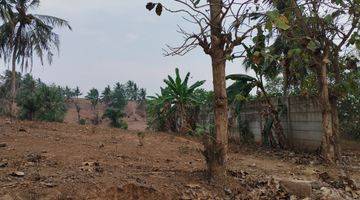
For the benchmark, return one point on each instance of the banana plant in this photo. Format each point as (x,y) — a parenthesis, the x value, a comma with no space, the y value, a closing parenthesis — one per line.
(182,95)
(176,98)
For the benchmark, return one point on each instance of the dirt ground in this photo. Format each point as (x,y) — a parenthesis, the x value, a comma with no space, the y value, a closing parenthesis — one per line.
(68,161)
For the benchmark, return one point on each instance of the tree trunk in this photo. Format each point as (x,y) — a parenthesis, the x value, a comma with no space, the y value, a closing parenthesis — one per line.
(217,164)
(329,142)
(217,155)
(334,100)
(78,111)
(182,116)
(336,126)
(13,87)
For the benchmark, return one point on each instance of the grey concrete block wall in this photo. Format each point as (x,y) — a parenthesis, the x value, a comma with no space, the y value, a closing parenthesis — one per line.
(302,122)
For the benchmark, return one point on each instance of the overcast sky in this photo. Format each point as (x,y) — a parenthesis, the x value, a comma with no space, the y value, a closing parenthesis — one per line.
(115,41)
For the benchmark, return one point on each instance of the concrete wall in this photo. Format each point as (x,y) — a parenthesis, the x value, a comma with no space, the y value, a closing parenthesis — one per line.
(301,121)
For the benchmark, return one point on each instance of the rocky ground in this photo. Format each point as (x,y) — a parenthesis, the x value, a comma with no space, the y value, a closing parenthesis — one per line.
(68,161)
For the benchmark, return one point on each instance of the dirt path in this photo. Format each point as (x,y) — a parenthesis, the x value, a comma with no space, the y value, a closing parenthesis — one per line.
(67,161)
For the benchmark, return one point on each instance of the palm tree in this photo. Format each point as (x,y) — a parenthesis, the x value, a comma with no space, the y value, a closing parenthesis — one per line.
(77,93)
(24,36)
(106,95)
(181,95)
(94,98)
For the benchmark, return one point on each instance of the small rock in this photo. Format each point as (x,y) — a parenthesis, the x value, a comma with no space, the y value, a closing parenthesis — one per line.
(48,184)
(299,188)
(22,130)
(2,145)
(227,191)
(3,164)
(18,174)
(329,194)
(33,157)
(193,186)
(91,167)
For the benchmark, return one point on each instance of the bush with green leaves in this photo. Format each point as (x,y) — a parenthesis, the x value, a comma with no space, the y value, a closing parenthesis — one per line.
(5,88)
(173,107)
(38,101)
(94,98)
(115,101)
(115,116)
(53,105)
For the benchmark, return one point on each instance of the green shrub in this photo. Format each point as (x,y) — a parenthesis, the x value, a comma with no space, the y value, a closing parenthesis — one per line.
(38,101)
(82,121)
(115,116)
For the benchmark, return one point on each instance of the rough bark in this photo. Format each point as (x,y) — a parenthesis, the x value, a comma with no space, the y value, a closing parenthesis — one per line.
(336,126)
(217,165)
(329,142)
(13,87)
(217,161)
(334,100)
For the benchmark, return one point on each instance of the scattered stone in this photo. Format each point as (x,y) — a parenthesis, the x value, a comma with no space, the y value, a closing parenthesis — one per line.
(299,188)
(227,191)
(329,194)
(91,167)
(193,186)
(48,184)
(3,164)
(22,130)
(33,157)
(18,174)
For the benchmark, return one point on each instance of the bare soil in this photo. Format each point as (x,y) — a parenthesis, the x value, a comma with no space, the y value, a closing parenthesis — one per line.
(67,161)
(135,115)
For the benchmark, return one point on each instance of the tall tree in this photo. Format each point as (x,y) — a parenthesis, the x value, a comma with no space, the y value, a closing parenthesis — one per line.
(24,36)
(222,27)
(94,98)
(77,93)
(106,95)
(320,31)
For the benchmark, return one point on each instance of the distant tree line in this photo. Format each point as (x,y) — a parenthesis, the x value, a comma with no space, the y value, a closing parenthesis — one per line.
(35,100)
(115,99)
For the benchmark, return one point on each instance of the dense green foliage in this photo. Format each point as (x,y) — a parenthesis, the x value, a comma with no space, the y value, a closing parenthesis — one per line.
(35,99)
(25,36)
(5,88)
(117,98)
(177,106)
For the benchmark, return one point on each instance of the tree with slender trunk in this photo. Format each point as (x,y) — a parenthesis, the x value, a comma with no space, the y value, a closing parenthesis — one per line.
(223,26)
(94,98)
(24,36)
(77,94)
(320,31)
